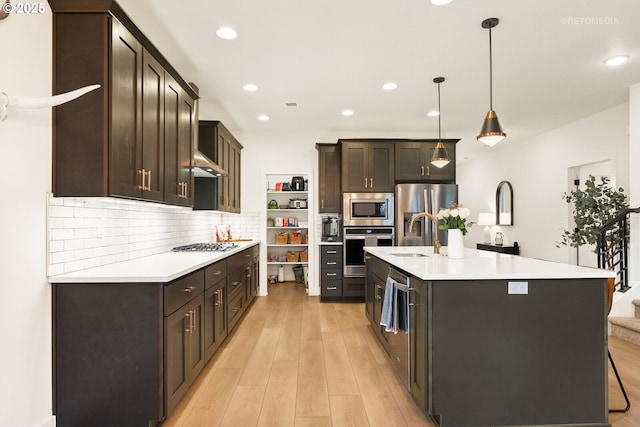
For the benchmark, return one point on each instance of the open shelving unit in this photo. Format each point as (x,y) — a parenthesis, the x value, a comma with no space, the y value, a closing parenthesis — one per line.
(300,217)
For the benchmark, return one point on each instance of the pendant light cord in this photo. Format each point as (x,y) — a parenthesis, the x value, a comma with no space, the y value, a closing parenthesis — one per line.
(439,115)
(490,73)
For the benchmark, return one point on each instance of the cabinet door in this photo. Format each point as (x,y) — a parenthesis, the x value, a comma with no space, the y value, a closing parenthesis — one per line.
(409,161)
(179,138)
(176,327)
(152,129)
(354,167)
(369,296)
(378,298)
(187,127)
(195,341)
(380,167)
(125,160)
(224,157)
(234,182)
(329,159)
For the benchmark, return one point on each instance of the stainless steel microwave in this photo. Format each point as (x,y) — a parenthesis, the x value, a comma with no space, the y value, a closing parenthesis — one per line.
(367,209)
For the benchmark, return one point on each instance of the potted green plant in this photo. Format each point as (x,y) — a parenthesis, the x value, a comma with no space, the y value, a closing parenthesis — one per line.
(593,207)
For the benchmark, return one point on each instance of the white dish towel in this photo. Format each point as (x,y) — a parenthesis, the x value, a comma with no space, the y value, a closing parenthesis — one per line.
(388,318)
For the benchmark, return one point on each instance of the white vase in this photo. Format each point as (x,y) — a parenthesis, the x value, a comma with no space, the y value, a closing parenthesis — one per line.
(455,245)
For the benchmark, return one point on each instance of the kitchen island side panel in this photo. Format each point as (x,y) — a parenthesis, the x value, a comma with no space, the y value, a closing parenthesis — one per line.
(499,358)
(108,346)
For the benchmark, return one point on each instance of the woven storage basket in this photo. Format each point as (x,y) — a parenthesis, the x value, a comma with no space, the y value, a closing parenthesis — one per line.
(304,256)
(292,256)
(282,238)
(295,238)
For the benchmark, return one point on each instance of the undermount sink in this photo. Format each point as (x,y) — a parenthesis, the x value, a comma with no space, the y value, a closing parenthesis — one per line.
(408,254)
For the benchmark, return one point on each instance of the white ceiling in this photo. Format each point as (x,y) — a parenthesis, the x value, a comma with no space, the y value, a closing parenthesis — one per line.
(331,55)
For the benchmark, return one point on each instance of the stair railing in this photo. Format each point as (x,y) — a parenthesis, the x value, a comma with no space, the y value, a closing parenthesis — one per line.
(612,248)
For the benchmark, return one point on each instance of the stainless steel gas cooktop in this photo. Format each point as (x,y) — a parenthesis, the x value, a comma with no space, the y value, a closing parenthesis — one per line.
(205,247)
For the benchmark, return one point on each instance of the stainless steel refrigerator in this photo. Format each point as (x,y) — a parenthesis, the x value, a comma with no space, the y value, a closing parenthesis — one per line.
(415,198)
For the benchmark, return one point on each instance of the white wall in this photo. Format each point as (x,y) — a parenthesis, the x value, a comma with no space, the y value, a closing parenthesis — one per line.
(537,169)
(25,173)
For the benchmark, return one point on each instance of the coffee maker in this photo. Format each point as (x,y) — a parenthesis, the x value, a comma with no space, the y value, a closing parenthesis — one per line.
(330,229)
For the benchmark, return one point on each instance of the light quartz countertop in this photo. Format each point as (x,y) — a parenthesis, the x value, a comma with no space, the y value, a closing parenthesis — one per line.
(163,267)
(323,242)
(478,265)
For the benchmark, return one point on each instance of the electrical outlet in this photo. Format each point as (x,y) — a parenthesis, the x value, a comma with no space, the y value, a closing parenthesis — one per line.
(518,288)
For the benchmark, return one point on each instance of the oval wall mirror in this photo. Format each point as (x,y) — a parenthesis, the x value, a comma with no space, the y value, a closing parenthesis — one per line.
(504,204)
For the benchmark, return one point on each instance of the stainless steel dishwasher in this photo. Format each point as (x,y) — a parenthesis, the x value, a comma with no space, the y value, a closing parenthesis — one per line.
(399,342)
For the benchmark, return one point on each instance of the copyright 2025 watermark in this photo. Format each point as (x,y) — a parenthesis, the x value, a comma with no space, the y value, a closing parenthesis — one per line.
(590,20)
(23,8)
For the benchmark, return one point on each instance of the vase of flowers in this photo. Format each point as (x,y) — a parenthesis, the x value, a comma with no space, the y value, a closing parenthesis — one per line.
(454,220)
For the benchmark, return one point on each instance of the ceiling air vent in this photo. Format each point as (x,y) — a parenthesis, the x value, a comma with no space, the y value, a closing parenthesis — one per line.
(291,105)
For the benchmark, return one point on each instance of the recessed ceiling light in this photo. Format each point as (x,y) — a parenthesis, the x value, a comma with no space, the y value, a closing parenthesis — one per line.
(440,2)
(389,86)
(250,87)
(263,117)
(347,113)
(616,60)
(226,33)
(433,113)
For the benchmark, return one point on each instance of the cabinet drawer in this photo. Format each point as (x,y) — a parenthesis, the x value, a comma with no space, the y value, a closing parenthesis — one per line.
(331,251)
(181,291)
(238,260)
(331,274)
(330,263)
(235,283)
(214,273)
(376,266)
(235,310)
(331,288)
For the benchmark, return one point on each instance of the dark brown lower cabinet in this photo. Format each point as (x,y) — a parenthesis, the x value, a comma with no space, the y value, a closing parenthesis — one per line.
(184,350)
(125,354)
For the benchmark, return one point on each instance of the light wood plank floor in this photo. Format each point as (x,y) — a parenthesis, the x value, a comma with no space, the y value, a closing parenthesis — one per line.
(293,361)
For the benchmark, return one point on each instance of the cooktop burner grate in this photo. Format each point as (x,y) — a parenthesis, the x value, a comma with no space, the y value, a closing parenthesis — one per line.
(205,247)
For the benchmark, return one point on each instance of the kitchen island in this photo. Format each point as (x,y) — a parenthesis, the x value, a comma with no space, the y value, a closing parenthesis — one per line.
(496,339)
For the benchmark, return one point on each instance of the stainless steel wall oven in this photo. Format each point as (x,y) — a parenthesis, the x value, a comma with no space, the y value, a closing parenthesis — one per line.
(355,239)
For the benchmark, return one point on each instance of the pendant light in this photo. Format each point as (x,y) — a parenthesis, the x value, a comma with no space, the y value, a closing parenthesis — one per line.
(440,157)
(491,132)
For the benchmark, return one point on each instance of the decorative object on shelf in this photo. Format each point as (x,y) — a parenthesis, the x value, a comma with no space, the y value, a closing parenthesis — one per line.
(504,204)
(7,101)
(273,204)
(282,238)
(486,219)
(491,132)
(455,245)
(499,239)
(440,156)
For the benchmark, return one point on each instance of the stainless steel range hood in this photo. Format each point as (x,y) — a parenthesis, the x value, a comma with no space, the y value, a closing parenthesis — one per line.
(204,167)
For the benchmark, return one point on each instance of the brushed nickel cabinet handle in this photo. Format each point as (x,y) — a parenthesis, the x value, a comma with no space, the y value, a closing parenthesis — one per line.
(428,170)
(365,182)
(142,174)
(188,317)
(332,288)
(332,252)
(370,182)
(193,321)
(422,170)
(378,297)
(188,289)
(331,263)
(149,185)
(322,204)
(218,272)
(331,274)
(235,310)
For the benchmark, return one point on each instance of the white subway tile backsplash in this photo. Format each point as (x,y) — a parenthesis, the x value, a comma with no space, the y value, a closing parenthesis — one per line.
(89,232)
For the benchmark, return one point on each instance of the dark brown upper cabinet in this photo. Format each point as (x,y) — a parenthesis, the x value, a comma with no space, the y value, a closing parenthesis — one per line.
(123,138)
(367,166)
(329,182)
(413,161)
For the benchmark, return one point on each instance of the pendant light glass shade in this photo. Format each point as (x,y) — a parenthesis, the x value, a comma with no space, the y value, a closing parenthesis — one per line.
(440,156)
(491,132)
